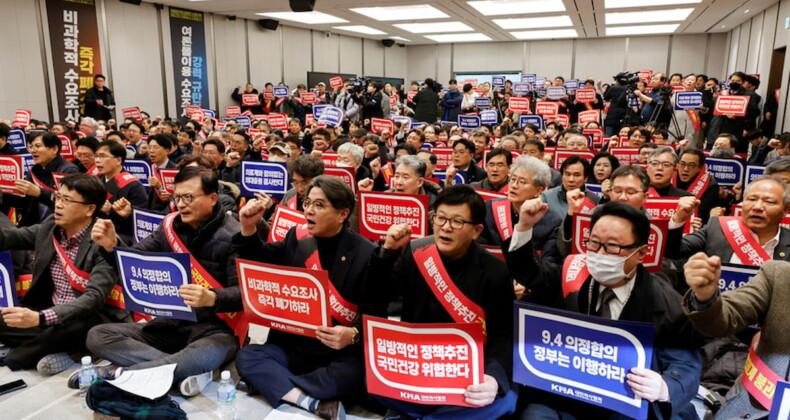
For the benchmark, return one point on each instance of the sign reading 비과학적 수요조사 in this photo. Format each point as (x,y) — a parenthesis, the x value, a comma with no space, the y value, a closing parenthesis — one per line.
(380,210)
(294,300)
(8,297)
(261,176)
(150,282)
(422,363)
(190,67)
(145,222)
(582,357)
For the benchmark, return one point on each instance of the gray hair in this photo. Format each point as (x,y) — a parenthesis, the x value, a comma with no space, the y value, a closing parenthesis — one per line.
(541,173)
(661,150)
(415,163)
(91,122)
(780,165)
(356,151)
(785,188)
(722,152)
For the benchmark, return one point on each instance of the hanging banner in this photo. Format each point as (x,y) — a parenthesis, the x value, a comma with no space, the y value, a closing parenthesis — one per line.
(582,357)
(422,363)
(379,210)
(188,42)
(76,58)
(151,280)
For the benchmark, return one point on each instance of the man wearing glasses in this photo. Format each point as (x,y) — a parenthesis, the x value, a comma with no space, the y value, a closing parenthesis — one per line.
(661,165)
(71,285)
(498,168)
(463,151)
(616,286)
(201,229)
(398,268)
(159,146)
(124,191)
(692,176)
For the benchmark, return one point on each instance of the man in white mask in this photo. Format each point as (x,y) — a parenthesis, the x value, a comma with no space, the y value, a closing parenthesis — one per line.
(614,285)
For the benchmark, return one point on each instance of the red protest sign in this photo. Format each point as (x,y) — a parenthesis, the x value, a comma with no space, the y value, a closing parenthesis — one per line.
(562,154)
(731,104)
(66,149)
(656,241)
(645,75)
(284,219)
(309,98)
(489,195)
(336,82)
(289,299)
(597,135)
(378,211)
(191,109)
(585,95)
(444,157)
(592,115)
(472,82)
(519,105)
(547,108)
(260,117)
(423,363)
(278,121)
(250,99)
(10,171)
(198,115)
(168,179)
(232,111)
(309,119)
(664,208)
(625,155)
(393,100)
(563,119)
(378,125)
(410,95)
(268,95)
(347,175)
(133,113)
(22,118)
(330,159)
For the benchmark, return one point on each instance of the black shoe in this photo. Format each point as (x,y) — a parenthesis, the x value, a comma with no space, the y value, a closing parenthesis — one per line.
(330,410)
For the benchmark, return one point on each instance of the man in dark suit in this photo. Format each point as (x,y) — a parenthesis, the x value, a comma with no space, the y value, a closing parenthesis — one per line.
(617,246)
(71,289)
(463,152)
(312,374)
(661,165)
(481,277)
(159,146)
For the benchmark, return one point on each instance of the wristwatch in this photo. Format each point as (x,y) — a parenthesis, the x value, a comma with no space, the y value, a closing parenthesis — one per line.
(355,337)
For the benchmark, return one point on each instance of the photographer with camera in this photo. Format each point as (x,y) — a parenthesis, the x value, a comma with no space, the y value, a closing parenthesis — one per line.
(426,102)
(371,101)
(618,94)
(348,100)
(658,95)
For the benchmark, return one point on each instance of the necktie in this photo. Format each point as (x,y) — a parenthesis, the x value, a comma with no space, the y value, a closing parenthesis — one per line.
(606,296)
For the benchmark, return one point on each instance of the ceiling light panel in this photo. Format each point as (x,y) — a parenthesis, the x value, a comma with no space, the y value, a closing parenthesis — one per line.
(458,37)
(673,15)
(308,18)
(399,38)
(546,34)
(434,28)
(517,7)
(618,4)
(641,29)
(534,23)
(360,29)
(415,12)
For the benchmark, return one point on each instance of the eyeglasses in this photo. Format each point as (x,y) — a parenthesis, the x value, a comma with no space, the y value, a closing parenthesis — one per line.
(67,201)
(657,163)
(688,165)
(496,165)
(519,182)
(617,192)
(186,198)
(102,157)
(318,204)
(456,224)
(609,248)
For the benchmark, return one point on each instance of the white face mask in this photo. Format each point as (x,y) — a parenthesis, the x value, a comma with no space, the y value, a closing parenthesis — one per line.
(606,269)
(550,132)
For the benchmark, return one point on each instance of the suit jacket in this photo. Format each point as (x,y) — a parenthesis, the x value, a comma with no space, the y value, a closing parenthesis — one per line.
(764,300)
(100,282)
(710,240)
(347,275)
(652,300)
(482,277)
(544,233)
(557,200)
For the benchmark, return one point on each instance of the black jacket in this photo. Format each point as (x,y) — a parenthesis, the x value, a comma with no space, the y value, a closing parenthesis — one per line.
(426,107)
(31,209)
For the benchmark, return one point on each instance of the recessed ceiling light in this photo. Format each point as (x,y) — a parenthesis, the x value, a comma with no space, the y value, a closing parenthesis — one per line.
(617,4)
(517,7)
(673,15)
(641,29)
(537,22)
(361,29)
(308,18)
(546,34)
(746,11)
(458,37)
(434,28)
(400,38)
(415,12)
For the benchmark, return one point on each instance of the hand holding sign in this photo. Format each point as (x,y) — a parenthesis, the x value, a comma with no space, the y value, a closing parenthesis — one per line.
(122,208)
(482,394)
(575,201)
(648,384)
(154,182)
(336,337)
(103,233)
(686,207)
(27,188)
(530,214)
(702,275)
(197,296)
(397,236)
(19,317)
(250,215)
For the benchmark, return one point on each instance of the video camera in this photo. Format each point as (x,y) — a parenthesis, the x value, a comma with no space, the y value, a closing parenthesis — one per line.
(626,78)
(360,84)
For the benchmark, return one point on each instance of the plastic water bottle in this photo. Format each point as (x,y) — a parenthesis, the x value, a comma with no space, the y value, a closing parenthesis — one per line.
(226,397)
(87,377)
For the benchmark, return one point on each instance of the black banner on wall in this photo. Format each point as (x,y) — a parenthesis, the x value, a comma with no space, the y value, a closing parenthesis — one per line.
(188,40)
